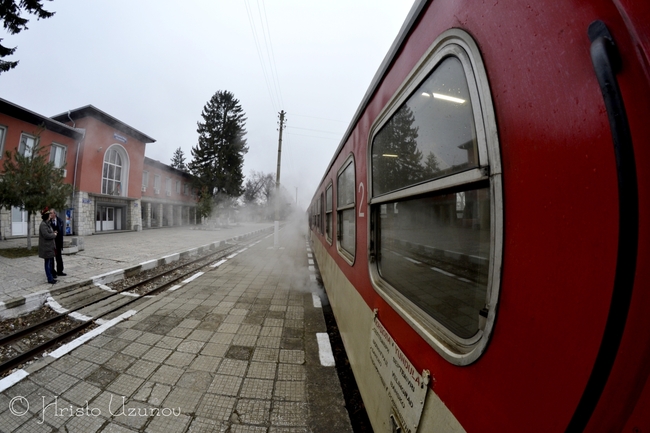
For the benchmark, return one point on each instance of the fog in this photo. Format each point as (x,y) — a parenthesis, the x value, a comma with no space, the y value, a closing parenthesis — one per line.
(155,64)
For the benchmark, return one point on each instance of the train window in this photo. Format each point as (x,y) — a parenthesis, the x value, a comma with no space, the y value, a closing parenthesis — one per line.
(317,215)
(436,208)
(434,251)
(346,220)
(431,135)
(321,216)
(328,213)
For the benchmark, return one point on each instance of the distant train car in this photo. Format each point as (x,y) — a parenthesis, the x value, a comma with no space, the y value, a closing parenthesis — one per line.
(483,229)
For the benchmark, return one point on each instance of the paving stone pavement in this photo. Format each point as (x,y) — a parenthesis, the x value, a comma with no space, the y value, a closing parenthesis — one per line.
(24,278)
(234,350)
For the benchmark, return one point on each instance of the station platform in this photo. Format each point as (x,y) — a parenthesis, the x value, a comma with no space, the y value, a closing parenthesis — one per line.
(24,287)
(238,348)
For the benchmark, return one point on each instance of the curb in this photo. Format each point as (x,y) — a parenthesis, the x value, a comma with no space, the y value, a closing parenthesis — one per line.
(16,307)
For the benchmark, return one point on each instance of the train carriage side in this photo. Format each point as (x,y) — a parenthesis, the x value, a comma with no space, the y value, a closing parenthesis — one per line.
(487,215)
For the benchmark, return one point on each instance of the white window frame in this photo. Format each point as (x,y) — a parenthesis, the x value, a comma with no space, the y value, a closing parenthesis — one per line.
(53,151)
(168,186)
(124,170)
(3,137)
(349,256)
(457,43)
(22,148)
(156,183)
(329,214)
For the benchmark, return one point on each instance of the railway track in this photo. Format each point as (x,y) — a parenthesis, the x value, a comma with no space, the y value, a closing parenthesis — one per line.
(78,310)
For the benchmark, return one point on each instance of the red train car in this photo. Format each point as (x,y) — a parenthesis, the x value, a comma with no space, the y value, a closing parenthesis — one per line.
(483,229)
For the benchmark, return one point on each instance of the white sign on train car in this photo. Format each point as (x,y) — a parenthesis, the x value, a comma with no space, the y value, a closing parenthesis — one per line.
(406,387)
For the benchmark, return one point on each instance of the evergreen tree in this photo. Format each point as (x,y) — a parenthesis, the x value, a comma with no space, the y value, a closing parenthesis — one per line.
(32,183)
(10,11)
(396,159)
(178,160)
(218,158)
(204,204)
(432,166)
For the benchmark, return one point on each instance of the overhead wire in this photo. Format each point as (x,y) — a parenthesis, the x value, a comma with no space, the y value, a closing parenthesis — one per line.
(320,118)
(316,130)
(269,48)
(265,54)
(313,136)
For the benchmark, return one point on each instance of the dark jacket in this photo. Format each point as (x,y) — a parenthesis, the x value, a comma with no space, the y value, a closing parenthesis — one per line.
(46,245)
(59,237)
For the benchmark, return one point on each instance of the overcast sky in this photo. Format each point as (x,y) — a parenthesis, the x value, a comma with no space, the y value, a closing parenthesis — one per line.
(154,65)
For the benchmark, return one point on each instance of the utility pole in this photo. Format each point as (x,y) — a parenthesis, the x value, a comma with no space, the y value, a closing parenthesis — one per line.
(276,233)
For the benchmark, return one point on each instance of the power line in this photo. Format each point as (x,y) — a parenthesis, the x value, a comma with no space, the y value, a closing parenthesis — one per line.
(274,70)
(260,55)
(312,136)
(315,130)
(320,118)
(265,52)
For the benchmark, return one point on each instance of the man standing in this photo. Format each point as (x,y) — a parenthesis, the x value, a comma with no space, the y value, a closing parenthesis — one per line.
(46,246)
(57,226)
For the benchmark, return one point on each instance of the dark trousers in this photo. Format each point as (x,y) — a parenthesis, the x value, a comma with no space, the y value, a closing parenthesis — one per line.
(49,269)
(59,261)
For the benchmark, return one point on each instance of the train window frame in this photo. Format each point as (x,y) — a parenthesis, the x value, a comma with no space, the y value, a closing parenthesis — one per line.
(329,222)
(321,213)
(348,256)
(317,216)
(459,44)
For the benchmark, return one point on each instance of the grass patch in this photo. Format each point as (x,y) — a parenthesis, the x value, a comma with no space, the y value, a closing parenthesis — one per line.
(16,253)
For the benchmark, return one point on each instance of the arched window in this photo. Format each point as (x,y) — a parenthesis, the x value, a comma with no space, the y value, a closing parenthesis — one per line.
(116,171)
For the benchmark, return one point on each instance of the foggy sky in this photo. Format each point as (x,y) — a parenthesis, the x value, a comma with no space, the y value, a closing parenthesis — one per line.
(154,65)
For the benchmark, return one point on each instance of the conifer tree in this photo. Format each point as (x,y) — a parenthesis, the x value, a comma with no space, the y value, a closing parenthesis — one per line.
(13,22)
(178,160)
(395,153)
(218,158)
(31,182)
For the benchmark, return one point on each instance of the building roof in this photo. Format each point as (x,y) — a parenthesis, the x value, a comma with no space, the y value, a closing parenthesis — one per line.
(90,111)
(20,113)
(160,165)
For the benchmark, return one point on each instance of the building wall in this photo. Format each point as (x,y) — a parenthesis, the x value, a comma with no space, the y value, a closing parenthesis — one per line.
(16,127)
(98,140)
(155,168)
(85,158)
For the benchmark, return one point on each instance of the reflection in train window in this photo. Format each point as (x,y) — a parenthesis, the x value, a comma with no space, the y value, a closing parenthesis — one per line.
(328,213)
(434,250)
(431,135)
(346,222)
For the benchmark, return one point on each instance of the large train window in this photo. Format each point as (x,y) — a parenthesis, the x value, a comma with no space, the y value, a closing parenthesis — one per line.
(436,206)
(346,218)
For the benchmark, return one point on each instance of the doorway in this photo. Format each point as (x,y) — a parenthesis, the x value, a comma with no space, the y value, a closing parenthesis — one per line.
(18,222)
(105,219)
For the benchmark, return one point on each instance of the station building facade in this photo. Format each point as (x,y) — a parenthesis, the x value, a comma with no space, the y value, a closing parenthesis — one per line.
(116,188)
